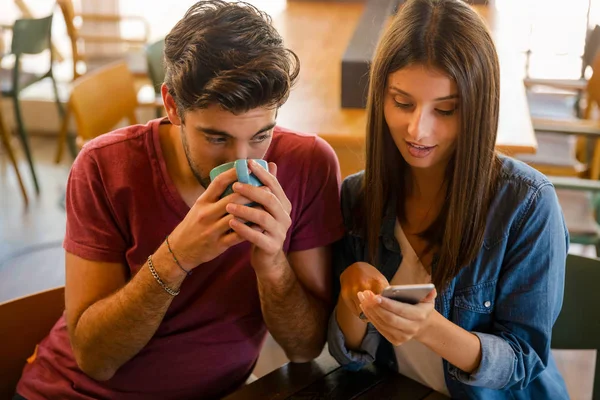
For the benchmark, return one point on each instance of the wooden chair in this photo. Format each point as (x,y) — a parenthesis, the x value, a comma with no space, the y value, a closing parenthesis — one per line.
(156,72)
(5,141)
(25,322)
(130,50)
(592,45)
(578,325)
(565,145)
(569,153)
(99,101)
(30,37)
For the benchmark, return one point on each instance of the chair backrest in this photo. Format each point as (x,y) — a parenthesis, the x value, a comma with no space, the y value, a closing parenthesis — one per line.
(593,101)
(578,326)
(102,98)
(592,45)
(68,12)
(24,322)
(31,36)
(156,68)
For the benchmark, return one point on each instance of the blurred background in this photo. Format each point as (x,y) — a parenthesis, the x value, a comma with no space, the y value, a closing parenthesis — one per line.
(548,117)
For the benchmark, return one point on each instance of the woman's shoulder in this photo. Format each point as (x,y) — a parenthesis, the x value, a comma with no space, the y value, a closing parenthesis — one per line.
(352,191)
(519,185)
(515,172)
(521,190)
(352,185)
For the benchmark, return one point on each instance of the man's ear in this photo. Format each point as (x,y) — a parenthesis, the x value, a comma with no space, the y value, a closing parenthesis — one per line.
(170,106)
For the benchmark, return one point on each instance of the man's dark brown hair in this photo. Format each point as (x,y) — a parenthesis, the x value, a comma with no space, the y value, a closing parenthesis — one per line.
(227,54)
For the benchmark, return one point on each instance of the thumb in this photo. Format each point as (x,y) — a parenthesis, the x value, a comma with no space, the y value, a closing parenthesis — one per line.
(430,297)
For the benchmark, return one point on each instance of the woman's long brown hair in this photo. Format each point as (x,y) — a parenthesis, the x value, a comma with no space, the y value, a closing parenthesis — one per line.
(449,35)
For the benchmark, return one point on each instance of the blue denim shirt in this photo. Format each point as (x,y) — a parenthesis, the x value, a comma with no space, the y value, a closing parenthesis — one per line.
(509,296)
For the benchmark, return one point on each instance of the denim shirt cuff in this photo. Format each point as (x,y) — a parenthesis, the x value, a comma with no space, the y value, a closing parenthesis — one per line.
(496,366)
(350,359)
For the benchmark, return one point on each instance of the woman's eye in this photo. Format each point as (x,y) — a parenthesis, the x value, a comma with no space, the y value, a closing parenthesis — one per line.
(446,113)
(402,105)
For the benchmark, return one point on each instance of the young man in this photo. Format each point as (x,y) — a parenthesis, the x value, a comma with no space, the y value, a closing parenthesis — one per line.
(137,325)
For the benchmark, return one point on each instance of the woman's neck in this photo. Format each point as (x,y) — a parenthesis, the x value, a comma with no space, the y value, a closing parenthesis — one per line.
(426,184)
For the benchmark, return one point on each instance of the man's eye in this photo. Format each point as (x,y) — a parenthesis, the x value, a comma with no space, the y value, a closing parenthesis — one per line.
(215,140)
(261,138)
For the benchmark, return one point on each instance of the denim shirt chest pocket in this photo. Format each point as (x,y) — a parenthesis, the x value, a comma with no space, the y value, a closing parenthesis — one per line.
(474,306)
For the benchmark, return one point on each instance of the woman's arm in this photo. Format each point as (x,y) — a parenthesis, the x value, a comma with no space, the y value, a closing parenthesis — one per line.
(528,299)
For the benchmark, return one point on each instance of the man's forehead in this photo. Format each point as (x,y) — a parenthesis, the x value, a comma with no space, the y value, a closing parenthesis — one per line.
(215,112)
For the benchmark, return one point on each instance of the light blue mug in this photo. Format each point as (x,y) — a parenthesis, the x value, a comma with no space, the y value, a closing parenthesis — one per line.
(243,174)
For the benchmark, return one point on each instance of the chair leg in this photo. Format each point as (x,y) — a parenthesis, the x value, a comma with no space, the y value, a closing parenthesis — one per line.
(25,140)
(4,137)
(63,134)
(64,125)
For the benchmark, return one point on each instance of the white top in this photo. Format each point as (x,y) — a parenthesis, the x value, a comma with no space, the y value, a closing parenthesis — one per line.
(415,360)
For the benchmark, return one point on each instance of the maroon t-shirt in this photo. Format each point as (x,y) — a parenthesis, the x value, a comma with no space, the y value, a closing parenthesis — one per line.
(121,204)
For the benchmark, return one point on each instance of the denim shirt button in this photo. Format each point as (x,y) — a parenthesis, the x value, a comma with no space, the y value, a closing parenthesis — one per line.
(487,304)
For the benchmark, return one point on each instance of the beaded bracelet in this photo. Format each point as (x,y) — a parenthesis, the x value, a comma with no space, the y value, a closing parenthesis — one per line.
(160,282)
(175,258)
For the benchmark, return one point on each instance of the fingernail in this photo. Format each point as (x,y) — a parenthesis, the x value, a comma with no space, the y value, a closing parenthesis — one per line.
(237,186)
(361,296)
(378,299)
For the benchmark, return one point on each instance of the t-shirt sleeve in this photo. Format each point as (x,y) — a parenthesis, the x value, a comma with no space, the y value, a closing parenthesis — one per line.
(319,220)
(92,230)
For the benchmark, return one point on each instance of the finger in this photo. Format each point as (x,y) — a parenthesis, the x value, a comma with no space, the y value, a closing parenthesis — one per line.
(378,285)
(231,239)
(260,240)
(268,200)
(234,198)
(273,169)
(254,215)
(221,227)
(374,303)
(386,319)
(271,182)
(216,188)
(408,311)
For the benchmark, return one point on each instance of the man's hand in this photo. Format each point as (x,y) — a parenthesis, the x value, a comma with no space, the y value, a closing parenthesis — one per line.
(272,219)
(205,232)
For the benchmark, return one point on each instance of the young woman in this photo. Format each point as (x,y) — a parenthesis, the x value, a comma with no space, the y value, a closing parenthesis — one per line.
(437,204)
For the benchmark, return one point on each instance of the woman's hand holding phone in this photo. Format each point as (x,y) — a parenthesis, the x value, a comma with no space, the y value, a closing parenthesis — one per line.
(398,322)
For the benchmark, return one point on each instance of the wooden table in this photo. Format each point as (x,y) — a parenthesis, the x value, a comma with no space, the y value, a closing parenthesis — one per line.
(319,32)
(323,378)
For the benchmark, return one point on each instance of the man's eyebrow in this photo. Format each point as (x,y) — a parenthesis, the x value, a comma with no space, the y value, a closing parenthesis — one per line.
(216,132)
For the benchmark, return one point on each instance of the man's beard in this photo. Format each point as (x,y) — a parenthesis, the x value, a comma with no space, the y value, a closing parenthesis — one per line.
(204,181)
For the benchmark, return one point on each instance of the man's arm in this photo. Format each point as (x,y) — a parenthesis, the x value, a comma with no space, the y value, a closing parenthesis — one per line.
(109,319)
(296,300)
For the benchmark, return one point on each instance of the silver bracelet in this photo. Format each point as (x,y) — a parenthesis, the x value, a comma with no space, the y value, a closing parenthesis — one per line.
(160,282)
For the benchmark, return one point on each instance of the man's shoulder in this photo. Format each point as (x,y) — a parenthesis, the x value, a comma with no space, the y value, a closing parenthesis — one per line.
(296,145)
(117,148)
(118,140)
